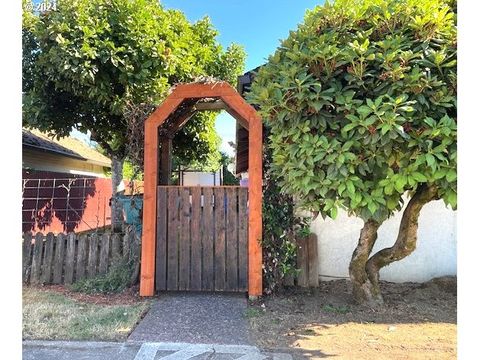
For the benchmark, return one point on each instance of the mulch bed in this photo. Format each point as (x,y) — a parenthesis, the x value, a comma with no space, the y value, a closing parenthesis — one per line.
(129,296)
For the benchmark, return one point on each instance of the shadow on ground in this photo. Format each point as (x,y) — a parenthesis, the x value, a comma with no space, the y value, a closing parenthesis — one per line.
(416,320)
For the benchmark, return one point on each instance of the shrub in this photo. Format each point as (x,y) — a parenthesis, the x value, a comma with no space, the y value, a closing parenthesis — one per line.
(360,101)
(117,279)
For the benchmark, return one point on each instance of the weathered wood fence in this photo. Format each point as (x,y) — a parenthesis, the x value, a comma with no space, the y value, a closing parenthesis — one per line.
(202,238)
(66,258)
(307,263)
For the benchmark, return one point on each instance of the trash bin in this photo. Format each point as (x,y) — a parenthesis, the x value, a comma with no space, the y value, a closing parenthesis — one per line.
(132,209)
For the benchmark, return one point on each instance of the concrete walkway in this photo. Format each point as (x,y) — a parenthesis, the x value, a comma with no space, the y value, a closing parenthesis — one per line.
(87,350)
(178,326)
(195,318)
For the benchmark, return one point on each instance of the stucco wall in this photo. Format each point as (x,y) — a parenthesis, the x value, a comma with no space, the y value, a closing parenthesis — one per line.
(436,253)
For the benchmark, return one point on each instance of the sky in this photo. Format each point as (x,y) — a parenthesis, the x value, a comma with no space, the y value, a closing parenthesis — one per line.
(256,25)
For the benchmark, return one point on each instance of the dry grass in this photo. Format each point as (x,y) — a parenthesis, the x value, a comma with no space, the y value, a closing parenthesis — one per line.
(50,315)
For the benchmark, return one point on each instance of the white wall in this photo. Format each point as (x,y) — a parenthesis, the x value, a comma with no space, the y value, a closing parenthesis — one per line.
(435,255)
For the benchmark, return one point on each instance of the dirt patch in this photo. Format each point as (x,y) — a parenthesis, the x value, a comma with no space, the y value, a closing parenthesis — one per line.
(127,297)
(418,321)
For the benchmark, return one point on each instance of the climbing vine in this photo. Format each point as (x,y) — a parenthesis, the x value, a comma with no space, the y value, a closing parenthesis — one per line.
(281,228)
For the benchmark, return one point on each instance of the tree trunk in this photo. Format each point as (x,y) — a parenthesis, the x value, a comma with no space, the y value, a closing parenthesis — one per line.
(407,234)
(363,290)
(117,177)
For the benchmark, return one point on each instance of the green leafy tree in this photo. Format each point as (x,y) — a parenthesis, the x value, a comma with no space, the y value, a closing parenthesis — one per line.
(361,104)
(84,61)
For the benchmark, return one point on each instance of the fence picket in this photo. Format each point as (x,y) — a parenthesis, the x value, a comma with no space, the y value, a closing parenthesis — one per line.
(81,257)
(302,262)
(134,255)
(27,254)
(58,259)
(37,259)
(47,259)
(116,254)
(104,252)
(92,256)
(70,258)
(312,260)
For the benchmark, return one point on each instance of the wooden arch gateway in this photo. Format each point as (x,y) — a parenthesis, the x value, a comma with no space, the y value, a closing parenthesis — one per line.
(160,128)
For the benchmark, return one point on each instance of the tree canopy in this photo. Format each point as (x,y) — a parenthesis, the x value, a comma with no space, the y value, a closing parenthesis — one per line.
(361,101)
(84,61)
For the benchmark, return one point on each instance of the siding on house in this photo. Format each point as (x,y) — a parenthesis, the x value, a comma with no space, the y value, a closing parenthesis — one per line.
(435,255)
(45,161)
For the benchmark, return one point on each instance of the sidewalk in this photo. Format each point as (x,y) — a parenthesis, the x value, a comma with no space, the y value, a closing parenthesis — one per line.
(87,350)
(178,326)
(195,318)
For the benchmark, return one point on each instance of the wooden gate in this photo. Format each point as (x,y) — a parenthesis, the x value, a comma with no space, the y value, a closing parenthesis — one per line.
(202,237)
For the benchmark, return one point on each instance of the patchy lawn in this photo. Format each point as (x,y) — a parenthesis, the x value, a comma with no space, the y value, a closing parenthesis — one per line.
(417,322)
(54,313)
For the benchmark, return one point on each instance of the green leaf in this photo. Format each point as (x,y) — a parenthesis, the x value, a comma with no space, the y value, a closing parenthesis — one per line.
(364,111)
(391,203)
(400,183)
(430,160)
(389,189)
(451,175)
(350,187)
(372,207)
(419,177)
(348,127)
(333,212)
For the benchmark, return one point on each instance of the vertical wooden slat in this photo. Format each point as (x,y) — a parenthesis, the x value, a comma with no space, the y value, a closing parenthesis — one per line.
(92,256)
(161,258)
(184,242)
(242,238)
(70,258)
(59,259)
(37,259)
(312,260)
(27,256)
(134,254)
(47,259)
(116,253)
(208,240)
(219,219)
(302,262)
(173,209)
(81,257)
(231,239)
(196,254)
(126,246)
(104,252)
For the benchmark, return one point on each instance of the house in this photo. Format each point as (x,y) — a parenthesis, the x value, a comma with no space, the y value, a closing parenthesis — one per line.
(66,155)
(65,186)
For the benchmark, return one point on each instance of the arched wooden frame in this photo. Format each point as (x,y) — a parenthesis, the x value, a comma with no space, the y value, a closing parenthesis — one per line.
(184,101)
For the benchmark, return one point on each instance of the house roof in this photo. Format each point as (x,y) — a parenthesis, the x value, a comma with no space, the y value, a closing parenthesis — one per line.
(66,146)
(244,83)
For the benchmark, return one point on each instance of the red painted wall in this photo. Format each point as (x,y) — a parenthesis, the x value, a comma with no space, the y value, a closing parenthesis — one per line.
(58,202)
